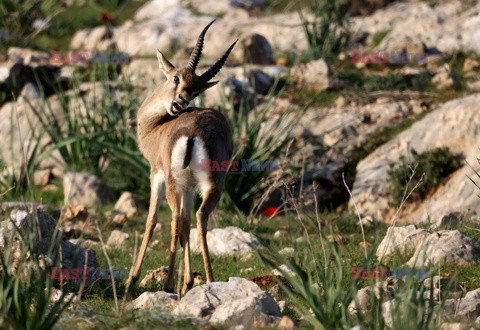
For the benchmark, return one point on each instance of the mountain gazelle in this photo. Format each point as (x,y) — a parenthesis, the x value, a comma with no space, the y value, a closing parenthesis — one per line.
(174,138)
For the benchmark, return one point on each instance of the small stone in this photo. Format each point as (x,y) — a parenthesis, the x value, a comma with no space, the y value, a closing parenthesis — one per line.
(117,238)
(126,204)
(246,270)
(283,269)
(158,227)
(154,277)
(286,323)
(277,292)
(282,61)
(279,233)
(149,300)
(282,304)
(340,102)
(470,65)
(119,218)
(365,244)
(300,239)
(41,177)
(287,251)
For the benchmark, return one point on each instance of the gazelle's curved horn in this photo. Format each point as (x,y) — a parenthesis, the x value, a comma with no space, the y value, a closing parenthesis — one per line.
(197,51)
(210,73)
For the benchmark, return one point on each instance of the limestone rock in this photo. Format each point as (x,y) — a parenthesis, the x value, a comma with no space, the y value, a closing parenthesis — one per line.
(455,125)
(117,238)
(446,246)
(468,309)
(155,277)
(73,256)
(475,294)
(237,303)
(98,38)
(229,241)
(400,240)
(149,300)
(255,49)
(127,204)
(85,189)
(313,75)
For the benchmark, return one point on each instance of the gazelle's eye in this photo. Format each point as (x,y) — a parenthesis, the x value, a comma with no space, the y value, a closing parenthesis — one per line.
(176,80)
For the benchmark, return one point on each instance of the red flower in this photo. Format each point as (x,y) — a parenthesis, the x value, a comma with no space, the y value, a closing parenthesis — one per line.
(270,211)
(107,18)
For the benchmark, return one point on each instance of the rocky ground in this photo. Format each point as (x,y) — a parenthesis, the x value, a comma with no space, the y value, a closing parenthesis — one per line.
(351,124)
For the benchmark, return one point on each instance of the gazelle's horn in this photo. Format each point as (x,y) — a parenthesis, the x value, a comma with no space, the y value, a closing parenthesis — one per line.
(197,51)
(210,73)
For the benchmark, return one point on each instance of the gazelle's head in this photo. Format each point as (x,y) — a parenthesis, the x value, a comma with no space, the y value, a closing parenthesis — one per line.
(183,84)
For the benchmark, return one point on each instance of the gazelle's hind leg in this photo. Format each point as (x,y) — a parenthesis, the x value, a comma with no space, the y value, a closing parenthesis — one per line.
(186,220)
(174,200)
(209,202)
(156,183)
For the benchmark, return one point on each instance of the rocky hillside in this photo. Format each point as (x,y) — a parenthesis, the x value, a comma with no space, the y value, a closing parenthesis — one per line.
(369,108)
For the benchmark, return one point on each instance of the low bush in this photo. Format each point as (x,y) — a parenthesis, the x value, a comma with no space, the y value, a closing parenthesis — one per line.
(432,167)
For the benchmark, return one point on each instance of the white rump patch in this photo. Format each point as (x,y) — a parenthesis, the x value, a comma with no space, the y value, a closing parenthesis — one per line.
(191,177)
(199,152)
(178,153)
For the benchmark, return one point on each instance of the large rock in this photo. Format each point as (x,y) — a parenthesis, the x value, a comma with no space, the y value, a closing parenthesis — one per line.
(401,240)
(464,310)
(81,188)
(446,246)
(448,27)
(98,38)
(455,125)
(237,303)
(171,25)
(229,241)
(72,256)
(339,129)
(217,7)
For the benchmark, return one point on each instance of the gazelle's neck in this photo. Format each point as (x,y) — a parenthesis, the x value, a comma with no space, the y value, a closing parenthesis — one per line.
(152,112)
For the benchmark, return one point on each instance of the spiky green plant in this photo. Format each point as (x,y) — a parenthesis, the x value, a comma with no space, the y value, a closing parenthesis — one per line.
(91,131)
(26,285)
(328,32)
(258,135)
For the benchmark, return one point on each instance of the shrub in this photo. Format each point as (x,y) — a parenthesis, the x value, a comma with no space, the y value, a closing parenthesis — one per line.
(328,33)
(17,17)
(432,167)
(258,135)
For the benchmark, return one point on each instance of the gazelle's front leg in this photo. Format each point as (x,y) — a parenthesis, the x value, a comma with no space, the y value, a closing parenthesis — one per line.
(156,183)
(174,200)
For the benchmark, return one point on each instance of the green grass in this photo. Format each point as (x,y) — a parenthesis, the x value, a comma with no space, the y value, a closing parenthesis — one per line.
(86,16)
(378,37)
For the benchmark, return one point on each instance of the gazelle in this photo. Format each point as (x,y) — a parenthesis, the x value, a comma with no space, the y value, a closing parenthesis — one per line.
(174,138)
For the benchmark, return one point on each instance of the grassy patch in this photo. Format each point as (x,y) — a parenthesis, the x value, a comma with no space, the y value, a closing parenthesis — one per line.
(432,168)
(378,37)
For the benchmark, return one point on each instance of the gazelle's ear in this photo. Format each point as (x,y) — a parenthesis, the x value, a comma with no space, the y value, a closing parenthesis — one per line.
(164,64)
